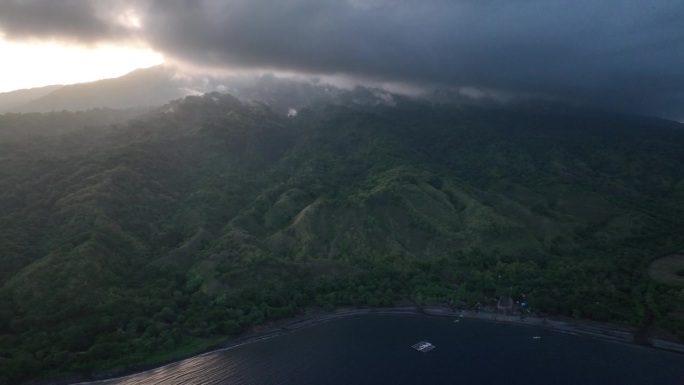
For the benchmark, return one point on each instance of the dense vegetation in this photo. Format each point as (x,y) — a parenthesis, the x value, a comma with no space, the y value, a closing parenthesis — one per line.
(125,242)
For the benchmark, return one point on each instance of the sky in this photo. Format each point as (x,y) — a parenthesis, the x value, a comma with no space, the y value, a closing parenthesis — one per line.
(623,55)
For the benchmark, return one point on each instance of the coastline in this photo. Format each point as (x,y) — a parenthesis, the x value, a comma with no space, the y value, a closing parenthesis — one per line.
(609,332)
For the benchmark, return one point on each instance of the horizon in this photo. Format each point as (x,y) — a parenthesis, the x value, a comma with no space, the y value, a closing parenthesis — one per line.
(75,64)
(606,55)
(395,89)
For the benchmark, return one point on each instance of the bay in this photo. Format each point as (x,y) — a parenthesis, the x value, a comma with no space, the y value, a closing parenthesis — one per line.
(376,349)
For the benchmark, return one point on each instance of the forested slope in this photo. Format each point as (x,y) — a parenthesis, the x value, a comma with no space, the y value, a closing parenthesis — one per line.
(121,243)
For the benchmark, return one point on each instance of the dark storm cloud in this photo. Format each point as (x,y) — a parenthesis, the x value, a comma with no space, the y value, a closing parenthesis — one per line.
(617,54)
(83,21)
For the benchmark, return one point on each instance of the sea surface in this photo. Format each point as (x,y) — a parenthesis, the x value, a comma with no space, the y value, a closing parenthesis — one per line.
(376,349)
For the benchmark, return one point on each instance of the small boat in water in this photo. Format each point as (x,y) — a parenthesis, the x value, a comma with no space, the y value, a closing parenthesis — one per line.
(423,346)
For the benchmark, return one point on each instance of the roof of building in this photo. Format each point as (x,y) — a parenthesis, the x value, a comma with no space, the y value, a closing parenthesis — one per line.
(505,303)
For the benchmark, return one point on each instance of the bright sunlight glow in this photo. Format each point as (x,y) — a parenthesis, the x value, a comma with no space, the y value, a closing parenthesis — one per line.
(37,64)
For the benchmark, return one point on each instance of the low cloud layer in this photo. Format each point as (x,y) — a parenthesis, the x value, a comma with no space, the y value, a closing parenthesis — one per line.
(612,54)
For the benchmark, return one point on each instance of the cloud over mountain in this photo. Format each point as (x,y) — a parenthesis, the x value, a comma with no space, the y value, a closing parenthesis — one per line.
(608,54)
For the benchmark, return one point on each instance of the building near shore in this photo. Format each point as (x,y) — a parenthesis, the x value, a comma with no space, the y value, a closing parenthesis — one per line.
(505,304)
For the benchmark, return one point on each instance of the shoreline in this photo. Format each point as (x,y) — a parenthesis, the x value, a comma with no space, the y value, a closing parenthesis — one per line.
(608,332)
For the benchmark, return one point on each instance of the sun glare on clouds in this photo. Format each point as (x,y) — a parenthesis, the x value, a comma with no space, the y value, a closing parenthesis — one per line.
(37,64)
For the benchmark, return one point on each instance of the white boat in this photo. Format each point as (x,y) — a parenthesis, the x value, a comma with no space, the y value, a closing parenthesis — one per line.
(423,346)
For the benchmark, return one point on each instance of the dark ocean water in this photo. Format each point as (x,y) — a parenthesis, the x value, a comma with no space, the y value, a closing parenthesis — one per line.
(376,349)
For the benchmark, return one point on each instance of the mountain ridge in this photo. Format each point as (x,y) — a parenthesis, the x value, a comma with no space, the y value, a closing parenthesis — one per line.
(10,101)
(212,214)
(149,87)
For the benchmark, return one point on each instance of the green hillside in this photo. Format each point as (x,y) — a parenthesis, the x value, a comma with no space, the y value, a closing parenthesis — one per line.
(124,244)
